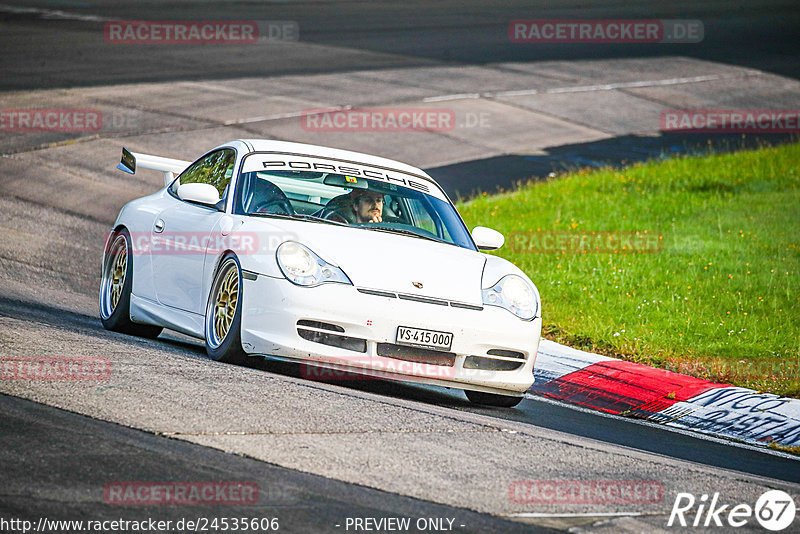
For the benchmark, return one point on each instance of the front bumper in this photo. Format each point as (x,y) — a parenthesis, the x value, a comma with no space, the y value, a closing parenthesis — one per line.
(272,308)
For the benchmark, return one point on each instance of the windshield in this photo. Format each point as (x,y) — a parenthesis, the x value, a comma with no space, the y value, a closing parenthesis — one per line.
(350,200)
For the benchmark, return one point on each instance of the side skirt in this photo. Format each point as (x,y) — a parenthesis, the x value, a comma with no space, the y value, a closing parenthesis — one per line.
(148,311)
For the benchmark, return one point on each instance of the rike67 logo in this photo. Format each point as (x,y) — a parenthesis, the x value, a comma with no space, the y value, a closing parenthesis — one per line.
(774,510)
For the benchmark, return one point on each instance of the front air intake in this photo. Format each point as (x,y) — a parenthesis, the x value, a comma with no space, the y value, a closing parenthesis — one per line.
(496,360)
(490,364)
(322,335)
(320,325)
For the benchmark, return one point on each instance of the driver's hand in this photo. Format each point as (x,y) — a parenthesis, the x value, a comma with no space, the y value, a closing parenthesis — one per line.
(376,219)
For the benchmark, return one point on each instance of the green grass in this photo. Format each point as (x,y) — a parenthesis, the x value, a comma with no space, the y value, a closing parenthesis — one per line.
(719,298)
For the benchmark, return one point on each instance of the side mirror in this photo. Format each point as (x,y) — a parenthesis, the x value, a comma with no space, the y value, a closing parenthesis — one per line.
(487,239)
(201,193)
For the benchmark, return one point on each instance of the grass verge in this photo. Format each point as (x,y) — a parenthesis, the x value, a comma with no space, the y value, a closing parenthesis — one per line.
(689,264)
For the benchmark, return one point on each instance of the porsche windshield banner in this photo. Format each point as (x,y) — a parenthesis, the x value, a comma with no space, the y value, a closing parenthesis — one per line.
(281,162)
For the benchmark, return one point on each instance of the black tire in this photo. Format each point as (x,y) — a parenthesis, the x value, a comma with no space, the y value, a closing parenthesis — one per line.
(115,298)
(492,399)
(225,344)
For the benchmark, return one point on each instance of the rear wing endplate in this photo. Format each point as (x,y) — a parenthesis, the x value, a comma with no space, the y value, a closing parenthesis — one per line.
(170,167)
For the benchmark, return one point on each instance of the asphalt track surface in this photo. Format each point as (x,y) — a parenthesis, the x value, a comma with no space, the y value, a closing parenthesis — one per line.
(365,35)
(323,451)
(44,444)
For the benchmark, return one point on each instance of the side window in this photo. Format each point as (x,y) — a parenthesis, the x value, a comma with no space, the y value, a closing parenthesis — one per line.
(215,169)
(427,219)
(421,216)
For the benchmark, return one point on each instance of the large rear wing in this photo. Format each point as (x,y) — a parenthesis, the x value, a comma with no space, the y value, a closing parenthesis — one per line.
(170,167)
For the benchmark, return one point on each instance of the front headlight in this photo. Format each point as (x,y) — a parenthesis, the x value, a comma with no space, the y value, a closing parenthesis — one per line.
(301,266)
(516,295)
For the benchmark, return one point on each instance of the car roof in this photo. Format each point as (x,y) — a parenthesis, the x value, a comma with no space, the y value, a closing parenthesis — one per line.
(268,145)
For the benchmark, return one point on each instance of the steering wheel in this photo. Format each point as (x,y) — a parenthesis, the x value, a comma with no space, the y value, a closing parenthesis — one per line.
(335,216)
(280,205)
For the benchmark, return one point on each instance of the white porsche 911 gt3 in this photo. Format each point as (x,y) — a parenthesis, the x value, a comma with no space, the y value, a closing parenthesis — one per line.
(321,256)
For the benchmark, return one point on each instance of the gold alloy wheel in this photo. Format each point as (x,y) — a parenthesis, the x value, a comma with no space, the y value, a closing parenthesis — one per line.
(225,302)
(115,274)
(118,274)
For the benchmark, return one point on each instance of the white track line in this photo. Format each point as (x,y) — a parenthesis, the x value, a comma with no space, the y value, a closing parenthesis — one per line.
(627,85)
(458,96)
(51,13)
(587,514)
(591,88)
(289,115)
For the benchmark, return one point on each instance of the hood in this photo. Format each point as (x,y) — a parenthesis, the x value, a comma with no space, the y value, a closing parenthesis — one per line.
(392,262)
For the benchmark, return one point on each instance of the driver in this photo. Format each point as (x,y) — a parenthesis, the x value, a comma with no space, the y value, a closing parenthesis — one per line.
(367,205)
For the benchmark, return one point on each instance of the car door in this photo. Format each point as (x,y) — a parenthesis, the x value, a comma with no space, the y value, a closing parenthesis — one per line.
(182,233)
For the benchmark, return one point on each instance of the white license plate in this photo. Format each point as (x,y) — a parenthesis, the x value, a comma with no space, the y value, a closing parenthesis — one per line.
(417,337)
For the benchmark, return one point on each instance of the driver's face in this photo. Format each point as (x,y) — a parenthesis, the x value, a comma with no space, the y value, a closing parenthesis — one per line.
(369,207)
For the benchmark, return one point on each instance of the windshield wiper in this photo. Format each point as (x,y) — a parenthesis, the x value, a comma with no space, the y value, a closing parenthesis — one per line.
(306,217)
(402,231)
(298,217)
